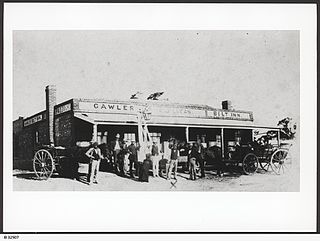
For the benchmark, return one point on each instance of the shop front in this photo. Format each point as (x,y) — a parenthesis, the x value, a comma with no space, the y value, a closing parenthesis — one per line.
(101,120)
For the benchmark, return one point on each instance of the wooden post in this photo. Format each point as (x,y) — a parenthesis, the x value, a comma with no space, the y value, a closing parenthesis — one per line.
(252,135)
(222,143)
(187,134)
(95,132)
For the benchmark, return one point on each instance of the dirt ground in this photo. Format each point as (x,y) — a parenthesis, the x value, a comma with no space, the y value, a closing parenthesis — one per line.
(236,181)
(261,181)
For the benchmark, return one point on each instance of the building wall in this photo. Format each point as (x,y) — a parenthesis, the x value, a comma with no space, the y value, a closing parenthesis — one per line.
(17,129)
(82,130)
(28,142)
(63,127)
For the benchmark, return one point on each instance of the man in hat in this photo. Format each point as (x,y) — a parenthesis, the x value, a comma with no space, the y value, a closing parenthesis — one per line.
(173,164)
(116,147)
(155,157)
(94,153)
(200,158)
(133,157)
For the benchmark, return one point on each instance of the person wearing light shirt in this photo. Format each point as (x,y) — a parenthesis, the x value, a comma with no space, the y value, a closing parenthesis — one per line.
(94,153)
(116,147)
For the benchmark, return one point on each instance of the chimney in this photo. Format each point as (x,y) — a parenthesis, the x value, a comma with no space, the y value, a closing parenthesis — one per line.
(50,103)
(227,105)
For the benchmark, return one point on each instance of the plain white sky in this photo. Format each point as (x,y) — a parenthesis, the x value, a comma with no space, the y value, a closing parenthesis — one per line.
(256,70)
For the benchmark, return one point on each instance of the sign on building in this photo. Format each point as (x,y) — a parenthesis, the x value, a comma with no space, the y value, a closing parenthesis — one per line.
(164,111)
(33,120)
(62,109)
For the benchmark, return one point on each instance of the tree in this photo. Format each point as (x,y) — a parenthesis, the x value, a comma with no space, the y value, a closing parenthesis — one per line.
(288,128)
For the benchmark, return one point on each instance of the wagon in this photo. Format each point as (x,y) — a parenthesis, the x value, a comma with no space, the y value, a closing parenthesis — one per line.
(56,159)
(270,157)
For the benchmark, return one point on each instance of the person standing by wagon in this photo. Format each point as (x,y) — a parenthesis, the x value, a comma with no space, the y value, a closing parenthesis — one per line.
(133,157)
(94,153)
(116,147)
(173,165)
(200,157)
(193,155)
(144,169)
(155,157)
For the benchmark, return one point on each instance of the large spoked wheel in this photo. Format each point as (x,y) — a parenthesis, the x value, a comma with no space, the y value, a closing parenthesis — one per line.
(43,164)
(281,161)
(250,164)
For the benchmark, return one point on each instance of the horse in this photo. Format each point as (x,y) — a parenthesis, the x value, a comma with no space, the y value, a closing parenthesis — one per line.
(106,162)
(213,155)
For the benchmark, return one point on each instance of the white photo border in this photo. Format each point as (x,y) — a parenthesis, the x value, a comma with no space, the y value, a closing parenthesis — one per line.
(215,211)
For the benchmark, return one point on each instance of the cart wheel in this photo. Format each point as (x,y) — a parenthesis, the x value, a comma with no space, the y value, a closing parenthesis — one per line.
(250,163)
(43,164)
(281,161)
(265,165)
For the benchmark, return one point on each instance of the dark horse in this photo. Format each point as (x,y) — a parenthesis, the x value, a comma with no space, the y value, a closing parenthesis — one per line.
(213,155)
(107,162)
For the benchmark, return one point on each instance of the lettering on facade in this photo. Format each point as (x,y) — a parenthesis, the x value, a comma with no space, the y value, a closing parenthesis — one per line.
(104,107)
(231,115)
(164,111)
(62,109)
(33,120)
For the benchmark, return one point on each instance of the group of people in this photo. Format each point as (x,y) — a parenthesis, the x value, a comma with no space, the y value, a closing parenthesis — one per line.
(125,159)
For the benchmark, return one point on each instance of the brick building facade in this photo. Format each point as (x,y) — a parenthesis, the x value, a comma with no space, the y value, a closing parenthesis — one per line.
(77,119)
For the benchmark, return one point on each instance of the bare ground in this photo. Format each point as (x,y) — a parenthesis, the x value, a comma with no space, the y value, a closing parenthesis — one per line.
(261,181)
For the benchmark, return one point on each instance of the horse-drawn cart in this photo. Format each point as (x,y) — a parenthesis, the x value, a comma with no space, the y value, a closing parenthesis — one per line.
(64,161)
(270,157)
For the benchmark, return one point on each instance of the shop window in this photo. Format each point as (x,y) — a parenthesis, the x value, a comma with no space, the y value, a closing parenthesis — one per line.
(99,137)
(128,137)
(155,137)
(37,137)
(218,141)
(237,138)
(102,137)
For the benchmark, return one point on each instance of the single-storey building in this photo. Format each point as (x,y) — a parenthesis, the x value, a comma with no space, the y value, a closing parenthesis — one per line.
(78,119)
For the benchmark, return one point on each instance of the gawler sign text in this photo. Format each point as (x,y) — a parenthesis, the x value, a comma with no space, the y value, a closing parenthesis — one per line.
(108,107)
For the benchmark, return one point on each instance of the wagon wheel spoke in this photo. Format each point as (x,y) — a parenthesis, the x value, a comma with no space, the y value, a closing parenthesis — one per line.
(45,156)
(38,156)
(41,172)
(265,165)
(46,172)
(38,162)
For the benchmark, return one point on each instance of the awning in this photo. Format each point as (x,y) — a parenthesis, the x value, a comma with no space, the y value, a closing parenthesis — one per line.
(126,119)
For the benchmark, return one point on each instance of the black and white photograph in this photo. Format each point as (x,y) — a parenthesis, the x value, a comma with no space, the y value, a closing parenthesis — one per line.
(156,110)
(159,118)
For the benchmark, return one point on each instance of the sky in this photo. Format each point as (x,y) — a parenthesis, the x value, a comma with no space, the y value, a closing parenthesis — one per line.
(256,70)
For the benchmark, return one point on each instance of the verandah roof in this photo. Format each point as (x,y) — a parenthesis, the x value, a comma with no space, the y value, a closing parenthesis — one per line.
(126,119)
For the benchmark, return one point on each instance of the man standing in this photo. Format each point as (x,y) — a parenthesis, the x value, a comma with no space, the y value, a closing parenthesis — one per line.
(200,158)
(133,157)
(155,157)
(173,161)
(116,147)
(193,155)
(94,153)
